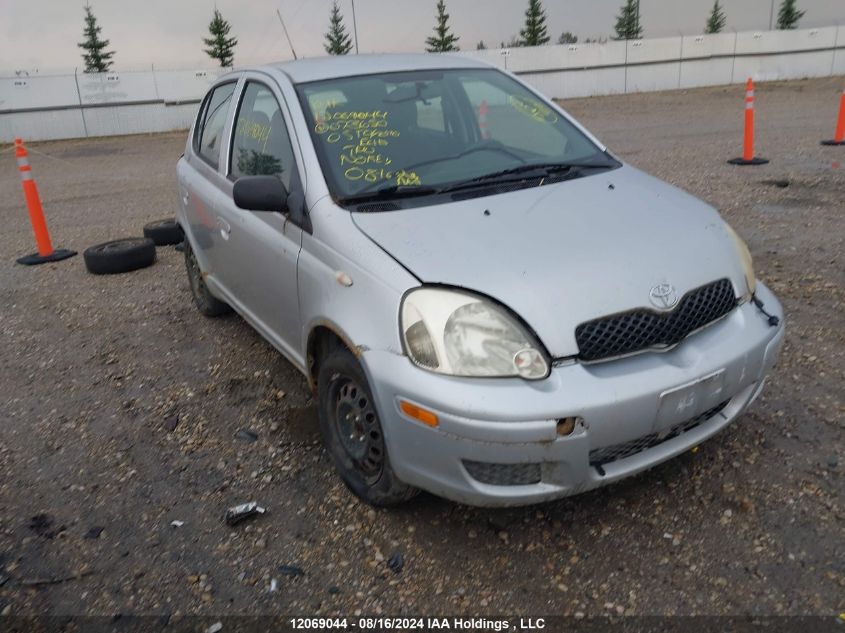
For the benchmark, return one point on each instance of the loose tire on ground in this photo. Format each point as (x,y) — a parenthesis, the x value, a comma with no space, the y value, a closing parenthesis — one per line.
(120,256)
(347,409)
(164,232)
(206,303)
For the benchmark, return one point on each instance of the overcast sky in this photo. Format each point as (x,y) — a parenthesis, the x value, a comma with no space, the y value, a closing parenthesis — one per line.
(42,34)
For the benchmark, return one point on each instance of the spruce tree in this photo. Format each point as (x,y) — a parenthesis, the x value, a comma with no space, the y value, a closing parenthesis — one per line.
(338,41)
(442,41)
(717,20)
(97,58)
(789,15)
(567,38)
(481,46)
(628,22)
(534,33)
(220,47)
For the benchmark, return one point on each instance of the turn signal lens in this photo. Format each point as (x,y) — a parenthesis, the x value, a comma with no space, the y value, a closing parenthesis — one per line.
(419,414)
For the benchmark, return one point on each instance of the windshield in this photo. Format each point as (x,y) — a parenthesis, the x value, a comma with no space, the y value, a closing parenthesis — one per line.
(425,130)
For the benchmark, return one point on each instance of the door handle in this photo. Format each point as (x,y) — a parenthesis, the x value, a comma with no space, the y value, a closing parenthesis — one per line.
(225,228)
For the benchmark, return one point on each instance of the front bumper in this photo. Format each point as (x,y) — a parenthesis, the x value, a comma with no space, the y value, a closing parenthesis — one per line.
(674,399)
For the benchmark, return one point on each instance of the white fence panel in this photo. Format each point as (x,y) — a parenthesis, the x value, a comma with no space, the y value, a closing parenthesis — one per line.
(114,87)
(138,119)
(42,125)
(44,91)
(177,86)
(128,102)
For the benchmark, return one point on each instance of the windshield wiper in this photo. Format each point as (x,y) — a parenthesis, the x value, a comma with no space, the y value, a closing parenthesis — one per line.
(389,192)
(543,169)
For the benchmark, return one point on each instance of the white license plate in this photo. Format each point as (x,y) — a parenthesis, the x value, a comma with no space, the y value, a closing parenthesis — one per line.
(687,401)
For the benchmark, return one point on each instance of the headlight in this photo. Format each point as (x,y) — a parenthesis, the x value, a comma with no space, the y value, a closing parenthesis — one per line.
(745,257)
(461,334)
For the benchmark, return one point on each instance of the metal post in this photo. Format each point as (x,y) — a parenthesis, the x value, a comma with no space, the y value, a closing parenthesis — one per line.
(733,58)
(681,61)
(355,27)
(627,44)
(772,16)
(155,83)
(81,109)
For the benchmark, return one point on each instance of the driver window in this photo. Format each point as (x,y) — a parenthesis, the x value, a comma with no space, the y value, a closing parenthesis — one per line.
(261,145)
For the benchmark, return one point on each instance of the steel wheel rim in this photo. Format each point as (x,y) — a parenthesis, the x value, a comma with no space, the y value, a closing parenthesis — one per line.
(357,428)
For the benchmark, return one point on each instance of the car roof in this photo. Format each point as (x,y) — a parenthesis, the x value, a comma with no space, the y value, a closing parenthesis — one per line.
(330,67)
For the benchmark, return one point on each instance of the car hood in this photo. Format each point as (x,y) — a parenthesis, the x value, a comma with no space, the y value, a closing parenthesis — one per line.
(565,253)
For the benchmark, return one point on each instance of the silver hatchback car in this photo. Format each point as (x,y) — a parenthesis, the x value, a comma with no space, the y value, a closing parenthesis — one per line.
(487,303)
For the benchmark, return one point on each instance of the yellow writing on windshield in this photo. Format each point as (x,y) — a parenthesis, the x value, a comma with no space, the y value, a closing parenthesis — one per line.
(373,174)
(362,155)
(533,108)
(351,122)
(407,178)
(364,137)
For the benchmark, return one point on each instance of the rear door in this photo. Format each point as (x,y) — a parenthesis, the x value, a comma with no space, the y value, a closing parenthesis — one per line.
(260,259)
(202,184)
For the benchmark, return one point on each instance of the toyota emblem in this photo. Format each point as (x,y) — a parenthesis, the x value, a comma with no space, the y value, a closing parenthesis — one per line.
(663,296)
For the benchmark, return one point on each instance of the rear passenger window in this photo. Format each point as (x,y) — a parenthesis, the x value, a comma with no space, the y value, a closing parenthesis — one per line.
(261,145)
(209,134)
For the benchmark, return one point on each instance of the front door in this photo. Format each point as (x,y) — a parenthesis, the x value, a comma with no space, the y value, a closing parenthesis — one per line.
(262,248)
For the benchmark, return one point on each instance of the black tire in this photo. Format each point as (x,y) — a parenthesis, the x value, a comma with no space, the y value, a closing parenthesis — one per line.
(164,232)
(352,432)
(206,303)
(120,256)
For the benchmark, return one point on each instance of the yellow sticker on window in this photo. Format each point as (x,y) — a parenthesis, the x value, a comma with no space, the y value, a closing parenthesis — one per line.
(533,108)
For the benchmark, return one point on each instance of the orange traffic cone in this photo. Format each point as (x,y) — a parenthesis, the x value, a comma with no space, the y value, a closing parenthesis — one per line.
(36,214)
(748,157)
(839,136)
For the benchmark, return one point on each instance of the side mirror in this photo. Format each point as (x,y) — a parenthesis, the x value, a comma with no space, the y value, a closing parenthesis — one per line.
(260,193)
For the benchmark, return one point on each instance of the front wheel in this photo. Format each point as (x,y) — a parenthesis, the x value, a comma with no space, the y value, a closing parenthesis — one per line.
(352,432)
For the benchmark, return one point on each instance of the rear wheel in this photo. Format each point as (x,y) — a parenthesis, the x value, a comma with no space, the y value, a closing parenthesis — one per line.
(206,303)
(352,432)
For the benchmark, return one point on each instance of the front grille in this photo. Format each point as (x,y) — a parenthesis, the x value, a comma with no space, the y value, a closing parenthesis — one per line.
(503,474)
(608,454)
(642,329)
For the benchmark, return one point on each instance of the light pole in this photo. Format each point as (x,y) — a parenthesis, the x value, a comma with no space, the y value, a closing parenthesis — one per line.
(355,27)
(772,16)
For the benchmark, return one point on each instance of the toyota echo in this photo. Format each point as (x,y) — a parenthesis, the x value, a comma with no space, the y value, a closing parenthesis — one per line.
(488,304)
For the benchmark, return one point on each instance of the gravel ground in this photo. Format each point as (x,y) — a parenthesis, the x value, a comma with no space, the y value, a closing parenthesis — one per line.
(121,404)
